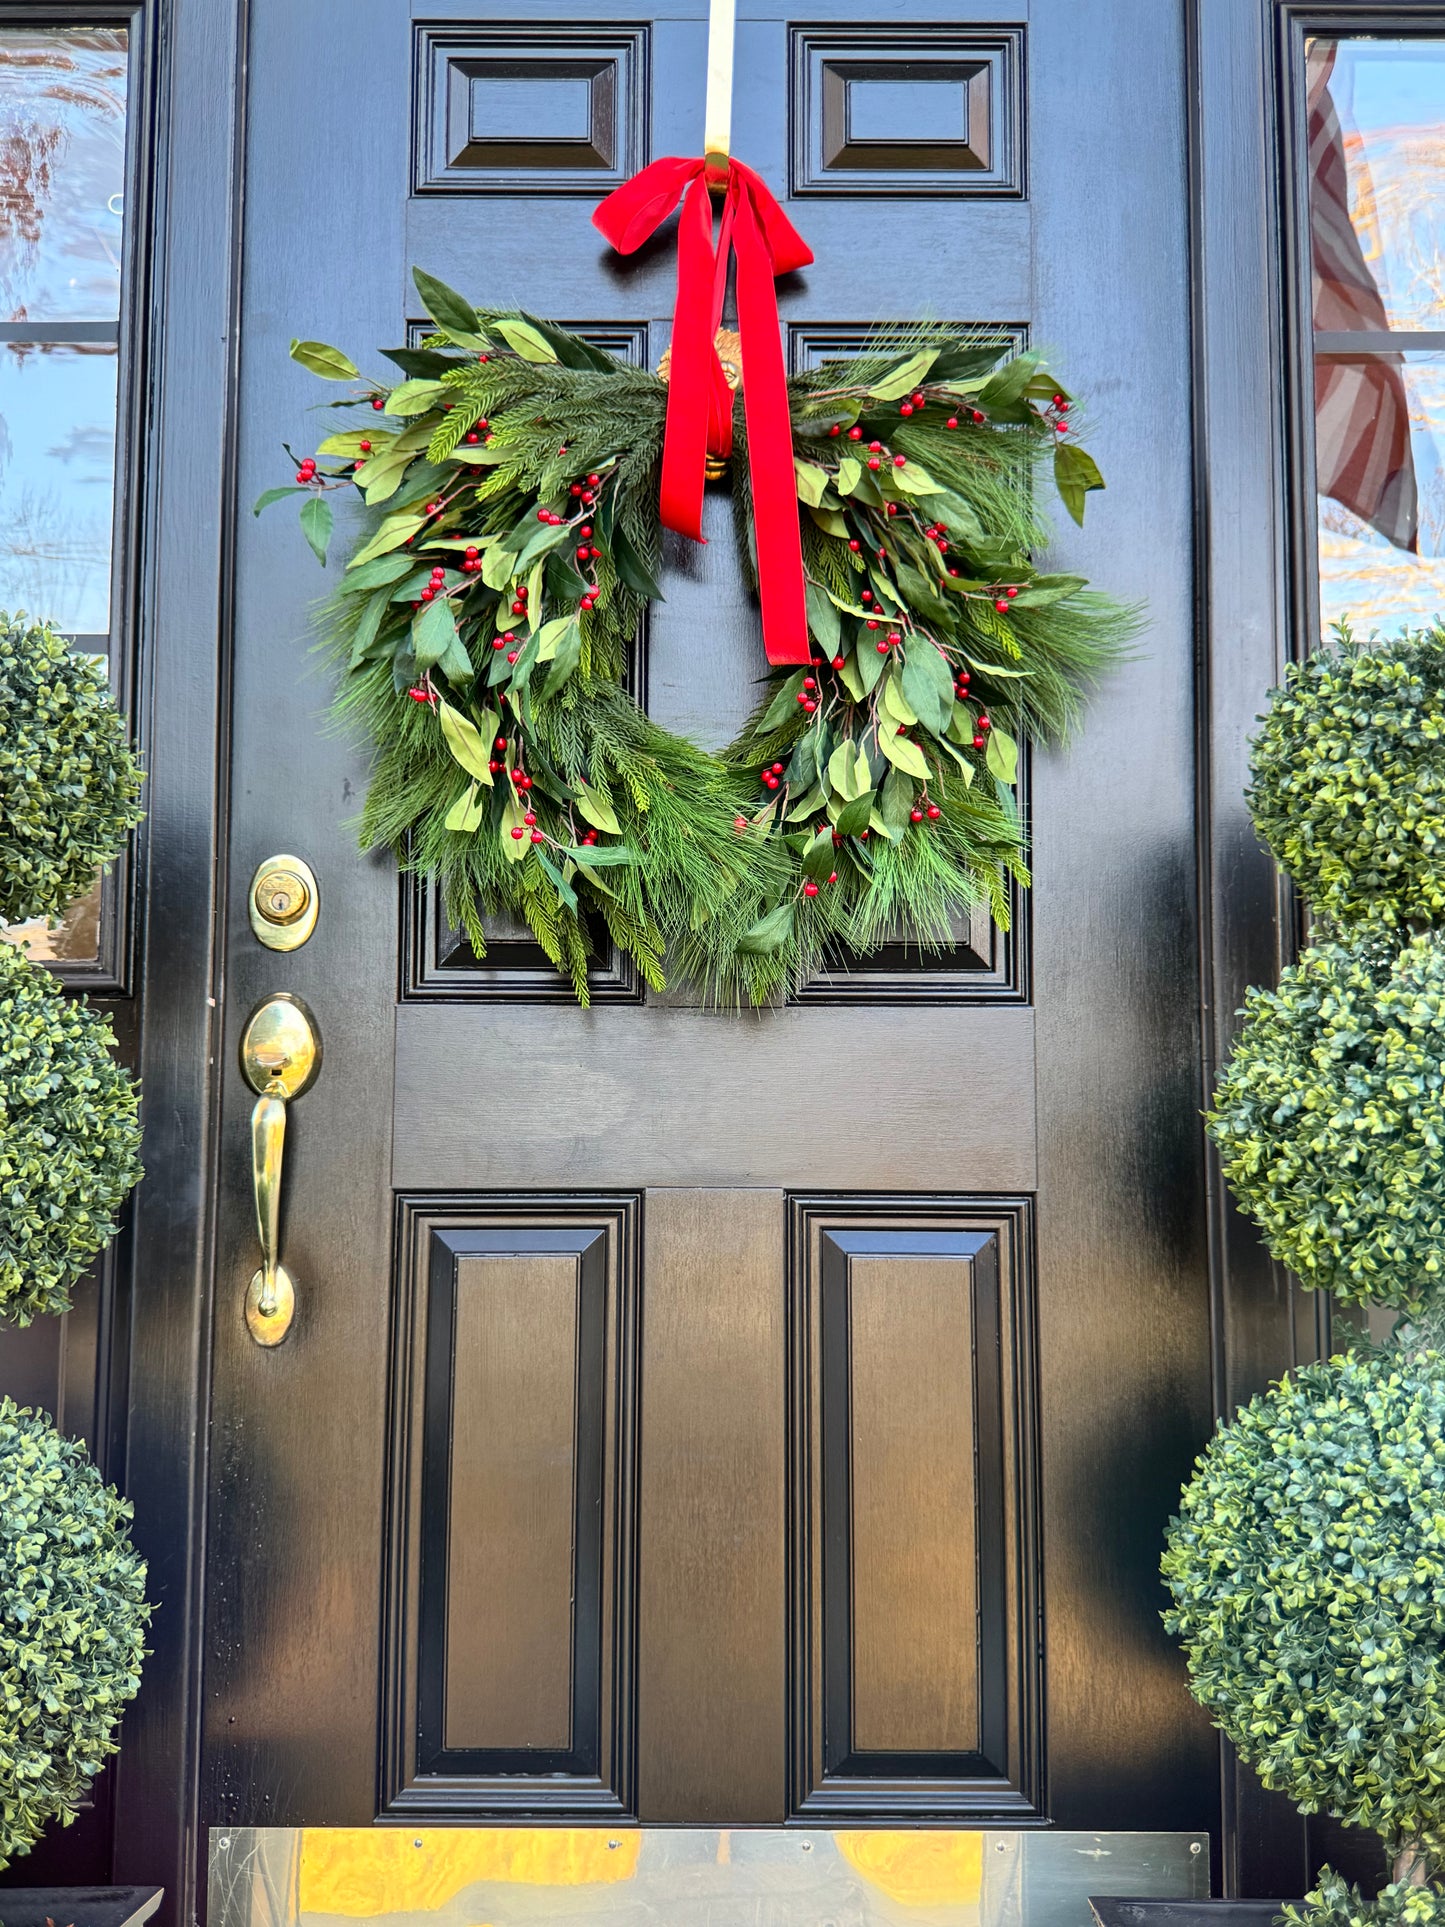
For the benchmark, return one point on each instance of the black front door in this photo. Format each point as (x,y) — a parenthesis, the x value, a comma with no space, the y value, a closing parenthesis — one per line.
(643,1450)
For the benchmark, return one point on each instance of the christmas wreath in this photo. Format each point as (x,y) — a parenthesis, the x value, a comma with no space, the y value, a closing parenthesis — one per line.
(509,548)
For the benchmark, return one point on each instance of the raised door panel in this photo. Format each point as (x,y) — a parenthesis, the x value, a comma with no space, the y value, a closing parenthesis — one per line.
(509,1654)
(917,1685)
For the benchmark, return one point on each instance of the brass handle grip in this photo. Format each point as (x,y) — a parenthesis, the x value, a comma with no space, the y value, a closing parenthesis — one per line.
(268,1141)
(280,1055)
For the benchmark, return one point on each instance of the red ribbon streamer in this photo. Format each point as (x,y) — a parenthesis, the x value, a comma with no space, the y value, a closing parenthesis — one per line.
(765,244)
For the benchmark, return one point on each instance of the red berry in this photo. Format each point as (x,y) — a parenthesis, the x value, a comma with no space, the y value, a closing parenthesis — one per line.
(952,422)
(895,639)
(777,769)
(984,723)
(915,816)
(800,697)
(771,781)
(428,594)
(593,480)
(978,742)
(496,642)
(587,495)
(855,434)
(585,603)
(874,447)
(419,694)
(865,595)
(874,462)
(809,706)
(575,489)
(808,683)
(934,812)
(365,447)
(900,461)
(1001,606)
(855,545)
(906,408)
(833,878)
(473,437)
(892,510)
(1010,593)
(837,662)
(583,553)
(836,429)
(882,647)
(378,402)
(509,637)
(519,608)
(512,654)
(585,530)
(810,889)
(518,833)
(472,553)
(494,766)
(978,414)
(1061,428)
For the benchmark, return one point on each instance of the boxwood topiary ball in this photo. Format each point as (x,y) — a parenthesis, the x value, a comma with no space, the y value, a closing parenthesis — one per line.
(1349,780)
(1334,1904)
(68,781)
(72,1624)
(1330,1119)
(1307,1568)
(69,1137)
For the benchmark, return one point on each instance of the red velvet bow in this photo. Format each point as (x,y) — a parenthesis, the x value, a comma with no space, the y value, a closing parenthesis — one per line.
(699,402)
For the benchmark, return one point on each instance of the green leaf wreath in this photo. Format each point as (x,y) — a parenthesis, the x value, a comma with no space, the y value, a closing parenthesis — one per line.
(509,547)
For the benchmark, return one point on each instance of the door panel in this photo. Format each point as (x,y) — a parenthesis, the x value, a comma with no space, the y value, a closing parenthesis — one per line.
(511,1549)
(689,1416)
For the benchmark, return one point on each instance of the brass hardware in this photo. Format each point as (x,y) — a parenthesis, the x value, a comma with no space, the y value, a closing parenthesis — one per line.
(283,902)
(729,345)
(280,1055)
(717,120)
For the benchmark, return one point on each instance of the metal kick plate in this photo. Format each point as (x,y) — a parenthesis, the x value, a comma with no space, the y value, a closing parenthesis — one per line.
(661,1877)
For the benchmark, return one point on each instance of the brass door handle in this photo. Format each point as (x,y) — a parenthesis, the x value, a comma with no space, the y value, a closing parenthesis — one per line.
(280,1055)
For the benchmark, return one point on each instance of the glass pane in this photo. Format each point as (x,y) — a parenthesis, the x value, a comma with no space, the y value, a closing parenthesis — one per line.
(1379,439)
(75,939)
(57,468)
(62,172)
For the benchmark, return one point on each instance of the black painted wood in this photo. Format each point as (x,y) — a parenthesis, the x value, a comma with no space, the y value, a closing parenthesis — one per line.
(1185,1913)
(79,1906)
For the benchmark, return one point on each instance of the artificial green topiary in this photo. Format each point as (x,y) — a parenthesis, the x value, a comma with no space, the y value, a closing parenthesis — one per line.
(69,785)
(69,1137)
(1330,1119)
(72,1624)
(1401,1904)
(1349,780)
(1307,1568)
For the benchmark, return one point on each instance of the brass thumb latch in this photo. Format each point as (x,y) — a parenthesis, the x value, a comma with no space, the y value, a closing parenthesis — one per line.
(280,1055)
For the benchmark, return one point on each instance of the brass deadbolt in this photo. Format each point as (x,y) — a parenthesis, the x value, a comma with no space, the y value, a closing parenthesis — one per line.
(283,902)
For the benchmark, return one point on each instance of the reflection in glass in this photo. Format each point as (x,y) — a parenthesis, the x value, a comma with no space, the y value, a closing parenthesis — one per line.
(74,939)
(57,458)
(1377,182)
(62,172)
(1380,585)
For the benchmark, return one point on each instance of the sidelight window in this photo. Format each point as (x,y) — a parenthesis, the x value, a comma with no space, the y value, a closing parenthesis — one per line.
(63,177)
(1373,154)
